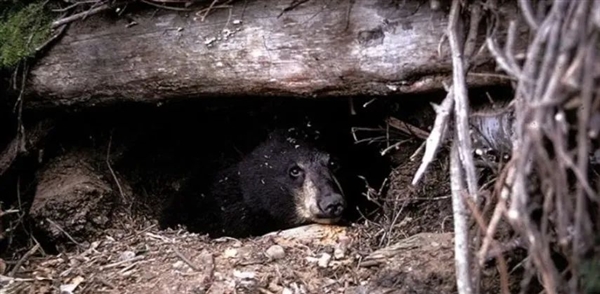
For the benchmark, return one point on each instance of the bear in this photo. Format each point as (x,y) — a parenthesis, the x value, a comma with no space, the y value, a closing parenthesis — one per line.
(284,182)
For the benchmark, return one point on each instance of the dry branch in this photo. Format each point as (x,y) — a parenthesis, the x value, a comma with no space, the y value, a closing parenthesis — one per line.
(549,147)
(462,258)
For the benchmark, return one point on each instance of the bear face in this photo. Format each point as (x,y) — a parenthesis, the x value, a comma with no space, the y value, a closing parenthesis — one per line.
(281,183)
(292,181)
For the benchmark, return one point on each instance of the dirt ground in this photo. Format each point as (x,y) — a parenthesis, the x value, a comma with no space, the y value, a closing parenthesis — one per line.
(409,251)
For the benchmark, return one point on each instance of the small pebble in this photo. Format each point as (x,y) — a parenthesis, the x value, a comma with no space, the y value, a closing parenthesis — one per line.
(275,252)
(243,275)
(341,247)
(324,260)
(126,255)
(230,252)
(179,264)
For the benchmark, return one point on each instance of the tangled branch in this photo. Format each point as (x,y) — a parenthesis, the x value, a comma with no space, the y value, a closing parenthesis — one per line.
(546,193)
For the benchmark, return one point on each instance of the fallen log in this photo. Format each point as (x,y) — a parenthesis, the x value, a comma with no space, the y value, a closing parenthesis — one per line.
(337,48)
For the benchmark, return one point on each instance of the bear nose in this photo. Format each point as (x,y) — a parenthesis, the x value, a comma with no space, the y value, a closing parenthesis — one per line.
(332,206)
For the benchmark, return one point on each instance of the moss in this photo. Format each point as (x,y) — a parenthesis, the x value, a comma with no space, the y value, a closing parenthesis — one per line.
(23,27)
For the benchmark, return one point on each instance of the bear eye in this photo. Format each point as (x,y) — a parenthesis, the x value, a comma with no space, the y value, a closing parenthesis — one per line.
(295,171)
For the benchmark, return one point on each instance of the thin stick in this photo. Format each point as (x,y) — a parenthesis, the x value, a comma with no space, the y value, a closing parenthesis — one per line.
(407,128)
(461,106)
(184,259)
(436,136)
(165,6)
(26,256)
(461,229)
(80,15)
(525,6)
(112,172)
(582,225)
(63,231)
(116,264)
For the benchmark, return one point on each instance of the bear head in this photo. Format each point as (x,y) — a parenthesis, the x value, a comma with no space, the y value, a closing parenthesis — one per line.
(291,181)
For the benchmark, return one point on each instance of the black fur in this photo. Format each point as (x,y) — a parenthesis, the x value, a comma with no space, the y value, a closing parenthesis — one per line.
(254,196)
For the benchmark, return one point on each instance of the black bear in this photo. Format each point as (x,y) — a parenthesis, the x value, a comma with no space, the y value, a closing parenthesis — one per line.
(284,182)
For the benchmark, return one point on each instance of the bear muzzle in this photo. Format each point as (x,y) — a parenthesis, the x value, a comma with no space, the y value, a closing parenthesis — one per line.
(320,199)
(327,209)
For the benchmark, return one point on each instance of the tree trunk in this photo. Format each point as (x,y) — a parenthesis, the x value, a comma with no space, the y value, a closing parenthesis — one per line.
(318,49)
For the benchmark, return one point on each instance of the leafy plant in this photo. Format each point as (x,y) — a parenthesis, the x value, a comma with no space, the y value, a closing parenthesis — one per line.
(23,27)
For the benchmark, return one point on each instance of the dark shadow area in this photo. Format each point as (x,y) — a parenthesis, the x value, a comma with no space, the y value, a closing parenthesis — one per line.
(165,153)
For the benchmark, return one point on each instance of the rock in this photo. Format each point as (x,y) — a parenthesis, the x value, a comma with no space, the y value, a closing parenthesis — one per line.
(324,260)
(275,252)
(180,265)
(126,255)
(341,247)
(70,288)
(230,253)
(245,278)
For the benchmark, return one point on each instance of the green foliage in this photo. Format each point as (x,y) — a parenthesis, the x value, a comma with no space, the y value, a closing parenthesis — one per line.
(23,27)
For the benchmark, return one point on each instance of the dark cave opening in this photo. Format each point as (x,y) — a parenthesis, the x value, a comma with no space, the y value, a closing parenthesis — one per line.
(166,151)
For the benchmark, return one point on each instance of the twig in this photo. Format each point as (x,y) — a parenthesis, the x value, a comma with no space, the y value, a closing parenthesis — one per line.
(418,151)
(165,6)
(503,270)
(184,259)
(7,212)
(394,146)
(582,225)
(65,9)
(462,157)
(407,128)
(424,199)
(61,30)
(80,15)
(4,279)
(471,41)
(461,106)
(26,256)
(525,6)
(64,232)
(436,136)
(112,172)
(461,235)
(500,209)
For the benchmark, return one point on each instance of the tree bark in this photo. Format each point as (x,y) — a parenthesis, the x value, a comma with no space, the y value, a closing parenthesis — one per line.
(318,49)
